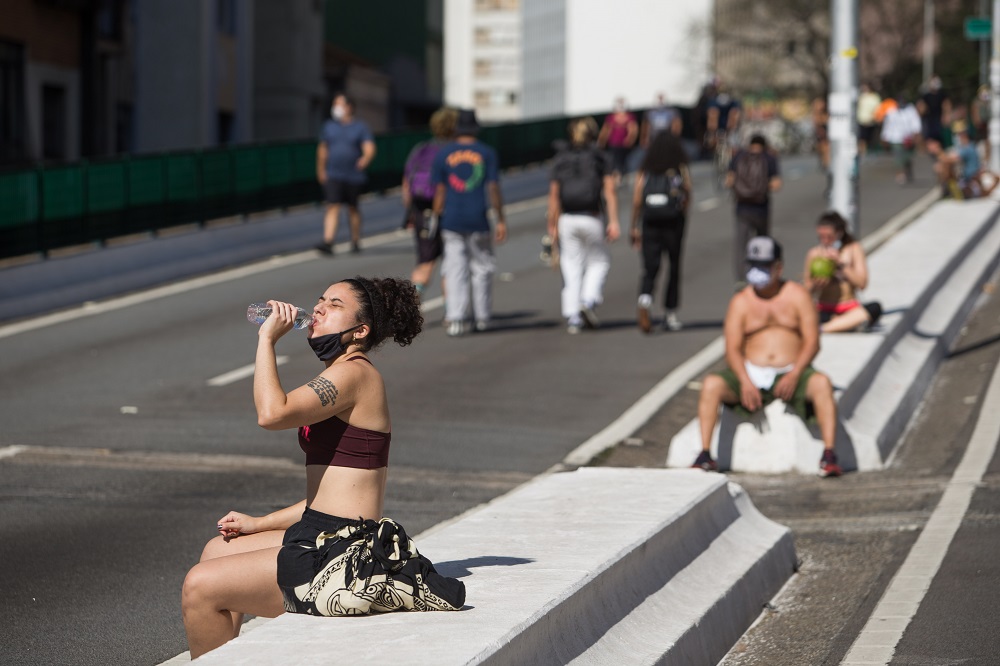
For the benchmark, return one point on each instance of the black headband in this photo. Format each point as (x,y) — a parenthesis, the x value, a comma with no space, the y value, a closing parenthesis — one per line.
(371,308)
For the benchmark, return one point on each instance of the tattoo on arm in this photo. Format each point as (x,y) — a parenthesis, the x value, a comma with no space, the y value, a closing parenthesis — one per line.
(325,389)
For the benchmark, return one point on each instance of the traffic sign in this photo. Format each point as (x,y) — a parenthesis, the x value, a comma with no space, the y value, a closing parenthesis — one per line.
(978,27)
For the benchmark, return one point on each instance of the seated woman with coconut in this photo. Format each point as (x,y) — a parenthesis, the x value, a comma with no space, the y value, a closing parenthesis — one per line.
(835,271)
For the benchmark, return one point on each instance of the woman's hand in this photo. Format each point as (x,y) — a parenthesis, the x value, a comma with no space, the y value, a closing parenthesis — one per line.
(636,237)
(235,524)
(613,231)
(281,321)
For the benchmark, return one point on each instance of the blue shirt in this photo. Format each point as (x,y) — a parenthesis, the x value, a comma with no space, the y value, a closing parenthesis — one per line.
(343,149)
(969,157)
(464,169)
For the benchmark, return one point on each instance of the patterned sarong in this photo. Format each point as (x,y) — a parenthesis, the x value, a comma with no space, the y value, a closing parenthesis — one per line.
(335,566)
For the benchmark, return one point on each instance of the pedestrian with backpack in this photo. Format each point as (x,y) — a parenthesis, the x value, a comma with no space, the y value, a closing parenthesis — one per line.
(753,175)
(581,176)
(660,200)
(418,196)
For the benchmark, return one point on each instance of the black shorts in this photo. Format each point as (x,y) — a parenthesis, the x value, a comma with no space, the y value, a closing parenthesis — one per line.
(429,244)
(340,192)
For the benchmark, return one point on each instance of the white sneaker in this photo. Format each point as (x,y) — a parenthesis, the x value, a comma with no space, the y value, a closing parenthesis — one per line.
(456,329)
(482,326)
(574,326)
(672,323)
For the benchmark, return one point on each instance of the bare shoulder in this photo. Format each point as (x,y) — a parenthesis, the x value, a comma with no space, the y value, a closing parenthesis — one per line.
(796,293)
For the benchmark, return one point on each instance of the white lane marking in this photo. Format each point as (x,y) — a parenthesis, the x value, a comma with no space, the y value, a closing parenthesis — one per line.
(640,412)
(707,205)
(239,373)
(877,642)
(11,451)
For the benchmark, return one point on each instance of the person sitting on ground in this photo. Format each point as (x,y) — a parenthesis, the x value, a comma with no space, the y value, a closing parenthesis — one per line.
(835,270)
(960,170)
(771,337)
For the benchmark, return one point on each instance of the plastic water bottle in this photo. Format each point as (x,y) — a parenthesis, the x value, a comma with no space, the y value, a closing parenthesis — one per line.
(258,312)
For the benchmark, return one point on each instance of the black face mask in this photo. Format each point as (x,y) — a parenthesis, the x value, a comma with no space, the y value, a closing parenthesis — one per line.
(330,346)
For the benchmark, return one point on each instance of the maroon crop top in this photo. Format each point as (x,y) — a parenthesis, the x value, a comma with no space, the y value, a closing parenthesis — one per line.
(334,442)
(337,443)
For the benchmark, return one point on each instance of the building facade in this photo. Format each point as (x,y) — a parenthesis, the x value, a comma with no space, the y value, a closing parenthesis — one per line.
(573,57)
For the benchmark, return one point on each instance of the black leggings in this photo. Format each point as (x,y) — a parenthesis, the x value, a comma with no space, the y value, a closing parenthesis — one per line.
(657,238)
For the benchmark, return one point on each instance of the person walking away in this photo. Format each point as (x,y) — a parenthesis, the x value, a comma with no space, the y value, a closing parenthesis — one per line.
(900,130)
(467,194)
(618,135)
(723,117)
(934,107)
(658,119)
(581,175)
(868,102)
(346,148)
(835,271)
(754,174)
(333,553)
(771,338)
(660,200)
(418,196)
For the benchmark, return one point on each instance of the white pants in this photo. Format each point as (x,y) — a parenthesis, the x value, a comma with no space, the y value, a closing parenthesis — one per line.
(468,262)
(584,259)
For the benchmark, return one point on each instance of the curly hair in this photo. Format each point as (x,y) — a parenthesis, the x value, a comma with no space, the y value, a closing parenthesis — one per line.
(390,307)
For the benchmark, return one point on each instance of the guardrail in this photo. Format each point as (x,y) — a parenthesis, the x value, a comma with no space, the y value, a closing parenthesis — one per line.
(90,201)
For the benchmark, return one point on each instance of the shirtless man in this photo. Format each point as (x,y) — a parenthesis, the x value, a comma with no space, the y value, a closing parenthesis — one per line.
(772,336)
(835,270)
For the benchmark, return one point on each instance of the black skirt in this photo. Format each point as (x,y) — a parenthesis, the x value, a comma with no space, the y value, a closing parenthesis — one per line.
(337,566)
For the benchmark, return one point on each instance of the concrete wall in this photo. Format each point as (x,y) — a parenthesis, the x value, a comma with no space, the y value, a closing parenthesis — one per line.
(544,58)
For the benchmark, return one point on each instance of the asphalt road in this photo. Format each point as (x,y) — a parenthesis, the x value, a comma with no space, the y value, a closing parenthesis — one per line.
(132,455)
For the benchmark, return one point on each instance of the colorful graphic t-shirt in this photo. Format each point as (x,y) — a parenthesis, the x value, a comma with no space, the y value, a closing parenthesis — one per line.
(464,169)
(343,149)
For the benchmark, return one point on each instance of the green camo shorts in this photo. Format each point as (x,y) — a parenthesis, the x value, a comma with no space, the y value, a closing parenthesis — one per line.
(798,403)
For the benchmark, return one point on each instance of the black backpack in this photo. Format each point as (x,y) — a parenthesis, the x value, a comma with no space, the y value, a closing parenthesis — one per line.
(663,196)
(581,181)
(752,181)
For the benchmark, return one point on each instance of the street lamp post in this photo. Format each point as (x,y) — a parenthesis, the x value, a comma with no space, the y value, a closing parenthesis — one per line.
(995,92)
(842,107)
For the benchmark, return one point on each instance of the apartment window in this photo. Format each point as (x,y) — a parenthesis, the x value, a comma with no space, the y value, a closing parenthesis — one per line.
(497,5)
(124,119)
(483,99)
(225,16)
(225,127)
(53,122)
(482,35)
(483,67)
(108,18)
(12,128)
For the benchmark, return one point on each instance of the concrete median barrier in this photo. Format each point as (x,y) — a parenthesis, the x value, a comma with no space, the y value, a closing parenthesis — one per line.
(594,566)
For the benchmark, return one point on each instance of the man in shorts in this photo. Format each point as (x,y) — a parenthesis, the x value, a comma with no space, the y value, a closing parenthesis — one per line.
(346,148)
(771,335)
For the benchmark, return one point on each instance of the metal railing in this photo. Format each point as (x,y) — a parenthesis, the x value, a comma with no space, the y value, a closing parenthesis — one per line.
(90,201)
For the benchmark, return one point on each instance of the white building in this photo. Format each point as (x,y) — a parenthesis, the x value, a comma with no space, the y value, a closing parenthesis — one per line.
(523,59)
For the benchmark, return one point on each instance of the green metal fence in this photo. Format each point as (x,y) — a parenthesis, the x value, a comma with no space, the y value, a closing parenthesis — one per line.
(47,208)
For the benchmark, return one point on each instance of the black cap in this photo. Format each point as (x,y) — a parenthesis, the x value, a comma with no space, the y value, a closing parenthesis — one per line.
(467,124)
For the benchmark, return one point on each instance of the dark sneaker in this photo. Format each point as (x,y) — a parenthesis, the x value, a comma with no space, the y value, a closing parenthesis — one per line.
(704,461)
(590,319)
(355,248)
(828,464)
(325,248)
(645,323)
